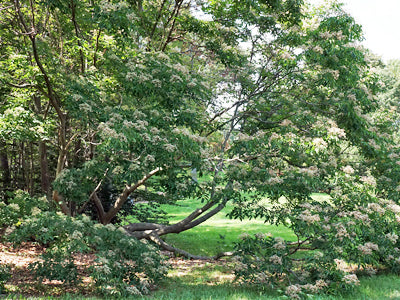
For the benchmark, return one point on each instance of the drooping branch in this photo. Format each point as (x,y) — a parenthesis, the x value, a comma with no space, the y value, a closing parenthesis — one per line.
(156,239)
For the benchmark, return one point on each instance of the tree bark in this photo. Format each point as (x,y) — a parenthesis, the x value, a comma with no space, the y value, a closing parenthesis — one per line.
(44,169)
(5,169)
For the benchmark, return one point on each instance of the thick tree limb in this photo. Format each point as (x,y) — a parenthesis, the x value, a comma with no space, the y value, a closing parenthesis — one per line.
(123,197)
(156,239)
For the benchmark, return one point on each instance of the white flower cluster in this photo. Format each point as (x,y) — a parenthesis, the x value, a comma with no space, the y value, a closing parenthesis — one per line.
(341,231)
(392,237)
(368,180)
(293,291)
(367,248)
(280,244)
(351,279)
(336,132)
(348,169)
(244,236)
(328,35)
(308,217)
(107,132)
(319,143)
(275,259)
(375,207)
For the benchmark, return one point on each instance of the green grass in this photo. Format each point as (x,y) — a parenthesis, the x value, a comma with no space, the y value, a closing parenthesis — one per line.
(379,287)
(218,233)
(197,286)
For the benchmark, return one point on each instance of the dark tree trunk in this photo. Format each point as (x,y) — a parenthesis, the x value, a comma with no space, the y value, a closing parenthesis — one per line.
(44,169)
(5,169)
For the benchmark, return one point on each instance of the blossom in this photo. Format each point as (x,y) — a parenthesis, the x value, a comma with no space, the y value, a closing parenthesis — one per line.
(376,208)
(319,143)
(275,259)
(336,131)
(244,236)
(157,82)
(239,266)
(318,49)
(110,227)
(394,208)
(262,277)
(360,216)
(293,290)
(154,130)
(180,68)
(348,169)
(325,35)
(392,237)
(35,211)
(306,216)
(260,235)
(77,235)
(286,122)
(14,206)
(287,55)
(85,107)
(341,231)
(275,180)
(169,147)
(320,284)
(244,137)
(351,279)
(367,248)
(175,78)
(368,180)
(279,245)
(150,158)
(162,55)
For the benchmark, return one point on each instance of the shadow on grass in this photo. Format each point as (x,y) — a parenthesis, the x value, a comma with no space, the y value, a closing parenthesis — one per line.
(380,287)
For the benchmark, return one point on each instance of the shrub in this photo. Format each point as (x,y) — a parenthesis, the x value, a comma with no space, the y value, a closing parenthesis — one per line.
(20,205)
(4,276)
(123,265)
(353,229)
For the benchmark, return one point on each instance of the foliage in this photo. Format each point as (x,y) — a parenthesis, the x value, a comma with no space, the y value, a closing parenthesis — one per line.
(123,265)
(272,100)
(4,276)
(353,228)
(19,206)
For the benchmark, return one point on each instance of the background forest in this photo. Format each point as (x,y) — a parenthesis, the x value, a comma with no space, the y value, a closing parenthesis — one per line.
(112,112)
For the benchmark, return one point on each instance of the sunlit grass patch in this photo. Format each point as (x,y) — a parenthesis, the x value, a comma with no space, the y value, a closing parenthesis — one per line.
(218,233)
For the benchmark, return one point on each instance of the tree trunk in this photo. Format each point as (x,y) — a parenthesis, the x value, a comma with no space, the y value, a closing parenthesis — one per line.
(44,169)
(5,169)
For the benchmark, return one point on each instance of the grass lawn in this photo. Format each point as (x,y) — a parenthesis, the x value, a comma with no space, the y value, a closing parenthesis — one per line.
(218,233)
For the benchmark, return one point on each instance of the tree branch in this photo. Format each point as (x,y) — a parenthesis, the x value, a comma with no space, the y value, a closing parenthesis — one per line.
(124,196)
(156,239)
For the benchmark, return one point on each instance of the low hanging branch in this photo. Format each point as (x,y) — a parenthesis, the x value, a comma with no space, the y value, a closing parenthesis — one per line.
(156,239)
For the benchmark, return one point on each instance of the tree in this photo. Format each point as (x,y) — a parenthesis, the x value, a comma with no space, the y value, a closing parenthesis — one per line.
(268,99)
(129,94)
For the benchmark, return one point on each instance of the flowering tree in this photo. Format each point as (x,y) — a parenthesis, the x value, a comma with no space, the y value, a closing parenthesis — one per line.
(271,98)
